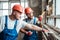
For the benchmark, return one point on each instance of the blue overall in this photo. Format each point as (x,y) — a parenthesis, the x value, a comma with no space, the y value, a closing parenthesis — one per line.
(34,35)
(8,34)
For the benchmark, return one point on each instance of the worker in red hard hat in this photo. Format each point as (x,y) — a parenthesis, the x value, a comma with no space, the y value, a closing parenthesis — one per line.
(30,34)
(17,9)
(12,24)
(29,12)
(9,29)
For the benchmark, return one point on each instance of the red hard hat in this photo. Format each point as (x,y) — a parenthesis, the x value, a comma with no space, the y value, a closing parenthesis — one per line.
(28,10)
(18,8)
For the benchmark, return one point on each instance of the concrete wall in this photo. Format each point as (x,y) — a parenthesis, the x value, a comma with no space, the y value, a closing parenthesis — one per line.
(36,5)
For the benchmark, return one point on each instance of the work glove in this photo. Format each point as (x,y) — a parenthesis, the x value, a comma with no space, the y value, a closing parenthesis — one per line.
(40,17)
(29,33)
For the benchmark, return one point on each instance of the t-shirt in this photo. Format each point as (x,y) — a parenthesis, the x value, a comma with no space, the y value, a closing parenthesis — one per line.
(20,24)
(31,21)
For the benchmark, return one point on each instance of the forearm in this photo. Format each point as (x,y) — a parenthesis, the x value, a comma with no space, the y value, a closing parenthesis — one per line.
(23,30)
(33,27)
(36,28)
(39,28)
(43,13)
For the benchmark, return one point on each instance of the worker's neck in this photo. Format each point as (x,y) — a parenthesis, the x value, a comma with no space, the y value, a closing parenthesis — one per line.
(30,18)
(12,17)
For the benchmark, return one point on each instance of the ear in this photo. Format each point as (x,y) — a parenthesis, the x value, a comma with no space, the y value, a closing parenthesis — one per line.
(13,13)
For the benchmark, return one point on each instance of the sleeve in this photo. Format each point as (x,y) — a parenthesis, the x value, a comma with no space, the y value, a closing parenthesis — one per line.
(2,23)
(23,24)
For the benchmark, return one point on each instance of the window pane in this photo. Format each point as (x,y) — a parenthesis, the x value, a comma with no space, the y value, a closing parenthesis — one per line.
(5,12)
(1,12)
(57,7)
(51,21)
(5,5)
(1,5)
(3,0)
(22,3)
(26,4)
(58,23)
(12,4)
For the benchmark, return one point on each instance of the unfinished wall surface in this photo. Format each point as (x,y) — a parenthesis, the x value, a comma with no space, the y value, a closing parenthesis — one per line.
(36,5)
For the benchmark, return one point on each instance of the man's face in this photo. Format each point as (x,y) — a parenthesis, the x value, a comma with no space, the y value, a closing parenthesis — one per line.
(17,14)
(30,15)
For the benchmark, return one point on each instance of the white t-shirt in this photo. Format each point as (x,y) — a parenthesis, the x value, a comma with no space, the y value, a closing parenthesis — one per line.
(32,20)
(11,23)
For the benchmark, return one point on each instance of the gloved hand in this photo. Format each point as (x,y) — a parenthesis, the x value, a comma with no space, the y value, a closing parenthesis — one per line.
(29,33)
(40,18)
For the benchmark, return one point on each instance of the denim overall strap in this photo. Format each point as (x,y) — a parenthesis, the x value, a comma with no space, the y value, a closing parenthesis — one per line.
(26,19)
(6,24)
(6,19)
(15,24)
(34,20)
